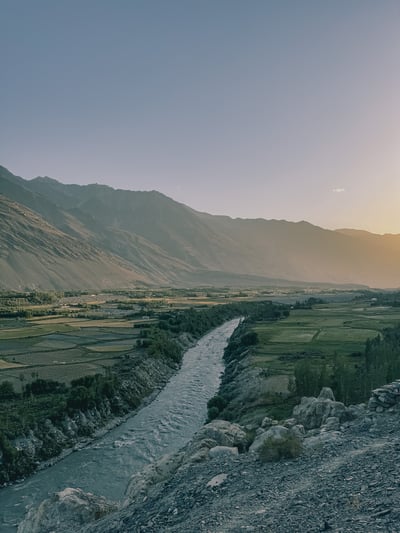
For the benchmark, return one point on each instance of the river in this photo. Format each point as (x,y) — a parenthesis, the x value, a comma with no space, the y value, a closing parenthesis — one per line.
(163,426)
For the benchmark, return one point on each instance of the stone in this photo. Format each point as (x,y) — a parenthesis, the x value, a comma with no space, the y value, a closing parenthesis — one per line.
(321,440)
(223,433)
(313,412)
(275,433)
(217,480)
(356,411)
(67,510)
(156,472)
(326,394)
(290,422)
(332,423)
(267,422)
(228,451)
(372,404)
(299,431)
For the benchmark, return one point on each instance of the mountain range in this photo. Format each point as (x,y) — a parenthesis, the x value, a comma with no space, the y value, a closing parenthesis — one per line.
(57,236)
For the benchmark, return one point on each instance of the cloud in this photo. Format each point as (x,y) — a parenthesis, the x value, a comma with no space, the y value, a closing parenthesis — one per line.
(338,190)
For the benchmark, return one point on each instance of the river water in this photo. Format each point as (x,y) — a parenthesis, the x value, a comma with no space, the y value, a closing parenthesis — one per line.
(163,426)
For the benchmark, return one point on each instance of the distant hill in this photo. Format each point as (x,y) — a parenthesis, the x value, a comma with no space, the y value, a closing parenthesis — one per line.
(147,237)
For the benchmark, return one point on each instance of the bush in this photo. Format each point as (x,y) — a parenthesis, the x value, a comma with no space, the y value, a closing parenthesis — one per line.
(212,413)
(44,386)
(80,397)
(274,449)
(249,339)
(7,391)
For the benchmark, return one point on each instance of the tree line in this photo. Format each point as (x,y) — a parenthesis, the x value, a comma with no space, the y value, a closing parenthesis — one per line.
(352,381)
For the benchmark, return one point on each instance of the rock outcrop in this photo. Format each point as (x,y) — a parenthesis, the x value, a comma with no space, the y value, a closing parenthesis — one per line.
(218,438)
(67,510)
(314,412)
(385,397)
(275,434)
(345,482)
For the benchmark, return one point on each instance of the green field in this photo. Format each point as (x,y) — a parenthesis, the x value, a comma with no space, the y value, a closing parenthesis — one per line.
(319,333)
(85,334)
(81,335)
(62,349)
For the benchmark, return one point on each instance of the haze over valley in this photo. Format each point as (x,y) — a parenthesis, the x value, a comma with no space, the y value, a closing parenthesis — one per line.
(56,236)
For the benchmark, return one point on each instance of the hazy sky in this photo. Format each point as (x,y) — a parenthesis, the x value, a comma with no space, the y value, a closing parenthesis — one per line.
(270,108)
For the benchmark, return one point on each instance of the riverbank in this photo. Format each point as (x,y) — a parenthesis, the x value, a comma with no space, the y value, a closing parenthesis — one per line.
(337,469)
(345,480)
(347,484)
(98,434)
(163,426)
(49,418)
(44,444)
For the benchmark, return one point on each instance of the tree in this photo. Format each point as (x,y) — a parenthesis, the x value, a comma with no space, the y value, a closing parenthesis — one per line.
(307,378)
(7,391)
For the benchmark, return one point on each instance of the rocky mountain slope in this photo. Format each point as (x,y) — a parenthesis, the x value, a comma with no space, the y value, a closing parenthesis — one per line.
(346,480)
(167,242)
(34,253)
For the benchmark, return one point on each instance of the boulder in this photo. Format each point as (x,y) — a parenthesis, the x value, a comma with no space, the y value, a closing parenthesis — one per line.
(332,423)
(67,510)
(290,422)
(326,394)
(223,433)
(275,433)
(267,422)
(279,442)
(299,431)
(215,434)
(226,451)
(157,472)
(356,411)
(313,412)
(320,440)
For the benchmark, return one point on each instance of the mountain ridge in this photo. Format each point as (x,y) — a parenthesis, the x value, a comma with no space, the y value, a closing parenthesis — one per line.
(166,242)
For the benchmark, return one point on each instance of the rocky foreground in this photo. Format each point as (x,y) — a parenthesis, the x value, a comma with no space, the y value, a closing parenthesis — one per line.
(346,479)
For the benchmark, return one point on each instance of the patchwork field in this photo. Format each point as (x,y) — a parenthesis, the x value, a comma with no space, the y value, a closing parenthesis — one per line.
(73,336)
(84,334)
(63,349)
(319,333)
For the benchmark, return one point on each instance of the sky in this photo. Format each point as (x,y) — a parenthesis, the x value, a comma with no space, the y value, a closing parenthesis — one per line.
(285,109)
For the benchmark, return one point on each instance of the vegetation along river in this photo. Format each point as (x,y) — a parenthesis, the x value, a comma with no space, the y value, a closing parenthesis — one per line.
(161,427)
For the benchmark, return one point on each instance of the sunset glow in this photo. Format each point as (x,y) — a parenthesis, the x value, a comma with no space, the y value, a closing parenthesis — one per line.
(285,110)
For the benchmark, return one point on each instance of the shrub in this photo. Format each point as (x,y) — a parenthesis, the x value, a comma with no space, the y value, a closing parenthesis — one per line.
(80,397)
(7,391)
(212,413)
(287,447)
(217,401)
(249,339)
(44,386)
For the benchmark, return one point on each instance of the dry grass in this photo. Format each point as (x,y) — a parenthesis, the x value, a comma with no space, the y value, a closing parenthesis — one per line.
(109,348)
(7,364)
